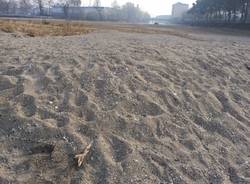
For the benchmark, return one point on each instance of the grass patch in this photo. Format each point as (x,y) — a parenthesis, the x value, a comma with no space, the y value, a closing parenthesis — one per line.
(44,28)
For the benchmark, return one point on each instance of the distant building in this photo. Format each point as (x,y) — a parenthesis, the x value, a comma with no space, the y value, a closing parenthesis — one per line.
(179,9)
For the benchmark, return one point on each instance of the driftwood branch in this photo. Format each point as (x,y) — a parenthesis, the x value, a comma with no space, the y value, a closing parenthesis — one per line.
(81,158)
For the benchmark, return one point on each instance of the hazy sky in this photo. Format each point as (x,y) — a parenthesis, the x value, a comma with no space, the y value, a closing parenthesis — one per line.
(154,7)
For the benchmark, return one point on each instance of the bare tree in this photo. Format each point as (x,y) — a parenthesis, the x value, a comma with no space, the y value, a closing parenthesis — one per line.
(50,4)
(11,6)
(41,5)
(3,6)
(74,3)
(97,3)
(115,4)
(66,5)
(129,12)
(25,6)
(66,10)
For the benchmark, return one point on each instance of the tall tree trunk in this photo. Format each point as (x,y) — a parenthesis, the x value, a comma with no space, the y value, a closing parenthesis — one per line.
(40,5)
(246,13)
(242,15)
(229,16)
(243,11)
(225,16)
(234,14)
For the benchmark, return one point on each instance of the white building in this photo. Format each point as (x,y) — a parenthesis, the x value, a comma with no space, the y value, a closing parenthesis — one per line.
(179,9)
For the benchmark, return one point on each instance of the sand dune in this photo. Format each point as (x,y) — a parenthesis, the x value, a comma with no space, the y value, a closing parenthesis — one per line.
(159,108)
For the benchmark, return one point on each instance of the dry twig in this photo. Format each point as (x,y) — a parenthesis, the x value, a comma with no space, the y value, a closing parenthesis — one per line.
(81,158)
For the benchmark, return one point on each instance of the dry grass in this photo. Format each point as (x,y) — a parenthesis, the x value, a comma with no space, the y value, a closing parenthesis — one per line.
(44,28)
(63,28)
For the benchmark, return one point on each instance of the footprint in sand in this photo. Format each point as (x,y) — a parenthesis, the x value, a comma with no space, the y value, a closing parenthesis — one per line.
(5,83)
(81,98)
(28,105)
(120,148)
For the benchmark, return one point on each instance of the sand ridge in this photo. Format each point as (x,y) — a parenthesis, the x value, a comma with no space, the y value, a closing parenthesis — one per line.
(159,108)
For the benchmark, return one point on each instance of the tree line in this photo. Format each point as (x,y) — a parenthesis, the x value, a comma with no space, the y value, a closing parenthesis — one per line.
(128,12)
(227,11)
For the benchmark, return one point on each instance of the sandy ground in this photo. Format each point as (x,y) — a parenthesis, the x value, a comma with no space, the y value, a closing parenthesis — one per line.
(160,108)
